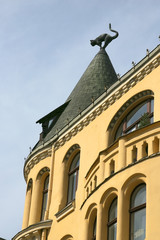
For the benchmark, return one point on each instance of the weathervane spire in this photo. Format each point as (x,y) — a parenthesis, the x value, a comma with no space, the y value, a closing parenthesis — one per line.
(106,38)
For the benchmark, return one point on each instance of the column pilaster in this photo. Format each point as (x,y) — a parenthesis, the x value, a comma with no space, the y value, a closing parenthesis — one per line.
(27,208)
(35,204)
(99,222)
(122,154)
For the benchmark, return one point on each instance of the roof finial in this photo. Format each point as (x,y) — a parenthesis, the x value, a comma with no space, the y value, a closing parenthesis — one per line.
(147,52)
(133,64)
(106,38)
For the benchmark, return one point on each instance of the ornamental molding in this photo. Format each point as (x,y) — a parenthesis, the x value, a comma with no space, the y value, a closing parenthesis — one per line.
(33,230)
(70,151)
(36,159)
(42,171)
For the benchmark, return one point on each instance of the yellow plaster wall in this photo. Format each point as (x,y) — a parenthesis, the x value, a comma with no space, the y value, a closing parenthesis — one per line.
(92,140)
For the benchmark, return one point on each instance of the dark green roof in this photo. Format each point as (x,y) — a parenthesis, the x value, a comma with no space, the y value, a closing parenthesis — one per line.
(54,113)
(98,77)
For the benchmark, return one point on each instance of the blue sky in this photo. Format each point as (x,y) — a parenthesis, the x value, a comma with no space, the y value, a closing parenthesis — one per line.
(44,50)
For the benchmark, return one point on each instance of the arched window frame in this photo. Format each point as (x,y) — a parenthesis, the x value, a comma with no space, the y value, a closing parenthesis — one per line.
(137,209)
(135,125)
(73,178)
(90,217)
(44,197)
(113,222)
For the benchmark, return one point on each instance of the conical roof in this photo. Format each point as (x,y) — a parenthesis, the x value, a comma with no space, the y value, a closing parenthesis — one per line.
(98,76)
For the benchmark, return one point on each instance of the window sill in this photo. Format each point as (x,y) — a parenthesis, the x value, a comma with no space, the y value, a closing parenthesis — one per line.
(65,211)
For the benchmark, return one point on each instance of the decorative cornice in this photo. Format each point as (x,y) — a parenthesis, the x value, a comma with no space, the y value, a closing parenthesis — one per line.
(31,229)
(36,159)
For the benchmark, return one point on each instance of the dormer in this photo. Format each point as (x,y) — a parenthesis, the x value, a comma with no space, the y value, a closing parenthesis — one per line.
(49,120)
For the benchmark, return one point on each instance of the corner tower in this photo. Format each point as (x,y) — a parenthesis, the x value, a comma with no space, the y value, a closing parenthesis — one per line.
(94,173)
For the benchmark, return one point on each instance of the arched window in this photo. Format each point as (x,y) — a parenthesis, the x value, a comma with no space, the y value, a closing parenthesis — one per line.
(112,220)
(140,116)
(45,197)
(138,213)
(94,229)
(73,177)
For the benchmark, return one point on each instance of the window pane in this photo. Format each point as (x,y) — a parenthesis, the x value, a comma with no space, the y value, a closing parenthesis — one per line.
(152,105)
(119,131)
(112,232)
(75,162)
(73,177)
(46,183)
(131,129)
(132,118)
(138,196)
(136,113)
(44,204)
(113,210)
(138,225)
(45,196)
(151,120)
(72,186)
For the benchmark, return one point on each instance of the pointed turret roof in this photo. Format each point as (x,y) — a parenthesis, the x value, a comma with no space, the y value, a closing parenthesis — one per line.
(98,77)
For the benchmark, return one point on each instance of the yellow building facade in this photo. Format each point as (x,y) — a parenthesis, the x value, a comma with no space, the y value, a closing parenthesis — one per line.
(95,172)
